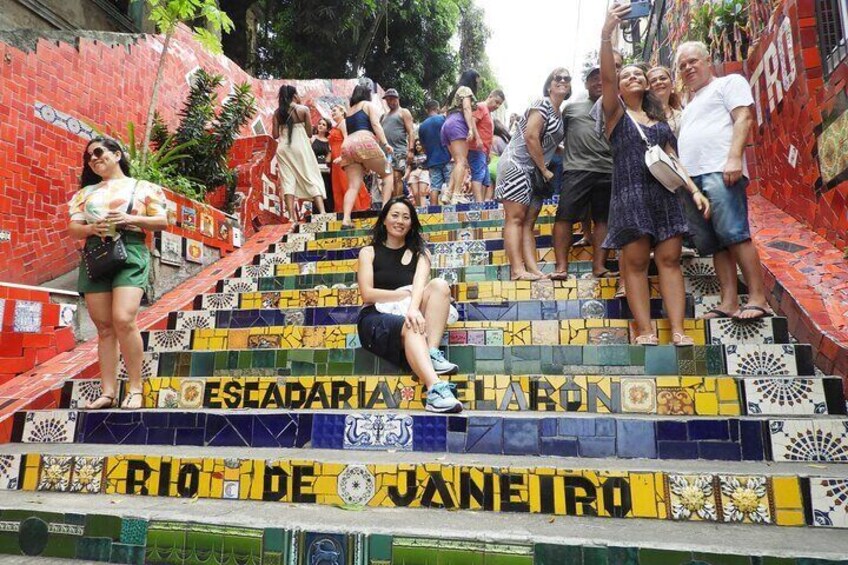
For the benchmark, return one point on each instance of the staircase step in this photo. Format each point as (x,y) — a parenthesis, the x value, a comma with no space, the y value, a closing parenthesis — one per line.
(782,494)
(519,310)
(704,360)
(567,435)
(142,528)
(680,396)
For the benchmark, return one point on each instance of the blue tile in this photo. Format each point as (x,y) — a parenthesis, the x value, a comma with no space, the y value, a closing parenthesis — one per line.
(429,433)
(677,450)
(636,439)
(596,447)
(559,446)
(161,436)
(734,430)
(707,429)
(456,442)
(719,450)
(576,427)
(195,436)
(154,418)
(605,427)
(235,430)
(304,430)
(457,424)
(671,431)
(521,436)
(485,435)
(549,427)
(276,430)
(328,431)
(183,419)
(752,439)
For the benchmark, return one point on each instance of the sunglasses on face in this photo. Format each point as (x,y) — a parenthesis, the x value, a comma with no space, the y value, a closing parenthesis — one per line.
(97,153)
(562,78)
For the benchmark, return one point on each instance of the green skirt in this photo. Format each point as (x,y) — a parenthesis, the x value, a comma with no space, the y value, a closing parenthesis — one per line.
(135,272)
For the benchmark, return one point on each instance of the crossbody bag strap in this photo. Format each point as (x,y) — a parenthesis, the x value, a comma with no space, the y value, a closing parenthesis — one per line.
(639,128)
(132,199)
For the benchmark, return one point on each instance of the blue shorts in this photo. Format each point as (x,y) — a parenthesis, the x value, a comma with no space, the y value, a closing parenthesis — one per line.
(479,166)
(728,223)
(439,176)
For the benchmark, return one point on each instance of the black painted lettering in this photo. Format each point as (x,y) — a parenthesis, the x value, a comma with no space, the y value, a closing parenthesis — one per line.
(579,492)
(210,394)
(232,394)
(340,394)
(546,494)
(188,480)
(571,396)
(469,489)
(596,395)
(319,395)
(295,393)
(513,398)
(406,497)
(273,397)
(436,485)
(275,484)
(617,488)
(164,478)
(509,483)
(251,394)
(138,472)
(302,476)
(541,396)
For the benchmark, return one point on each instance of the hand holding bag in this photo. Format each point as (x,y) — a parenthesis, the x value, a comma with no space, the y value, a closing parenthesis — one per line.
(108,256)
(542,188)
(662,166)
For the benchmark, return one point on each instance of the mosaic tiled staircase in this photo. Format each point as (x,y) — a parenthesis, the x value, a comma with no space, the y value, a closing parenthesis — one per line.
(262,394)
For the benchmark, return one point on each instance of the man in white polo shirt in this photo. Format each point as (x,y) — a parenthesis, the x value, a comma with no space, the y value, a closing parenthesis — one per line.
(713,132)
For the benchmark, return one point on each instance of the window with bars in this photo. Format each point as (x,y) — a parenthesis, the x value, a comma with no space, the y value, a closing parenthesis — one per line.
(832,23)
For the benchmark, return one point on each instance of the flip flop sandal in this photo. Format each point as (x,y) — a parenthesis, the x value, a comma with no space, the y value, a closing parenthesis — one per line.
(750,308)
(620,293)
(527,277)
(681,340)
(112,403)
(718,314)
(607,275)
(125,405)
(647,339)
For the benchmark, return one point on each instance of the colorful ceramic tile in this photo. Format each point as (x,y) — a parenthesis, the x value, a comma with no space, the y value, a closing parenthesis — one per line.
(149,366)
(49,426)
(238,237)
(170,248)
(783,396)
(194,251)
(219,301)
(808,440)
(356,485)
(87,475)
(256,271)
(188,218)
(235,286)
(84,393)
(191,393)
(727,331)
(691,498)
(171,212)
(67,314)
(169,340)
(378,432)
(638,395)
(55,473)
(744,499)
(761,360)
(207,225)
(10,467)
(829,502)
(194,320)
(27,316)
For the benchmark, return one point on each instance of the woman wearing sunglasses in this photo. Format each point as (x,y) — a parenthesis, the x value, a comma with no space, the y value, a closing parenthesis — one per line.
(523,170)
(101,209)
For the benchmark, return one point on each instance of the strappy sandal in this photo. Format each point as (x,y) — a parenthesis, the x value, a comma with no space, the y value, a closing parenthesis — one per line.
(111,404)
(127,403)
(607,275)
(620,292)
(646,339)
(527,276)
(681,340)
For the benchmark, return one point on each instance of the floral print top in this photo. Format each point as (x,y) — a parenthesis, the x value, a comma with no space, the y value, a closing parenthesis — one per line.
(93,202)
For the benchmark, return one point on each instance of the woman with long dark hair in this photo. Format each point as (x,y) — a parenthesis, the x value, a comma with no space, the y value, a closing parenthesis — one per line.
(321,148)
(459,130)
(339,178)
(361,149)
(661,83)
(100,210)
(405,312)
(297,166)
(643,213)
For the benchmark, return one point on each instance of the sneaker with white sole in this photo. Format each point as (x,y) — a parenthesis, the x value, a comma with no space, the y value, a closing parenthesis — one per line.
(440,398)
(445,196)
(441,365)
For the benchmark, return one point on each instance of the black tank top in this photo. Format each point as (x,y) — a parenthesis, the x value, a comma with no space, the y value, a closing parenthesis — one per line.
(359,121)
(389,272)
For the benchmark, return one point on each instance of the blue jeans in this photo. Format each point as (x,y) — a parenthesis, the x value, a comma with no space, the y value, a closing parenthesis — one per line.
(439,176)
(478,165)
(728,223)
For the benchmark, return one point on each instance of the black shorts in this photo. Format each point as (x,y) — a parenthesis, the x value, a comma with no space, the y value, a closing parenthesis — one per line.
(380,334)
(582,192)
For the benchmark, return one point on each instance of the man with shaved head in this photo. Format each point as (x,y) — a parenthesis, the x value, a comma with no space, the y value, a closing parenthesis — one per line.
(713,132)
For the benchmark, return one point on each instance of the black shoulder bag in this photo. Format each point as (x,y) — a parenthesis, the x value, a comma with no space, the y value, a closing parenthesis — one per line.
(108,256)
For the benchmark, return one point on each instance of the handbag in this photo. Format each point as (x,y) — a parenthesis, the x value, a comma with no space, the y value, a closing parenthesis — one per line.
(662,166)
(542,188)
(108,256)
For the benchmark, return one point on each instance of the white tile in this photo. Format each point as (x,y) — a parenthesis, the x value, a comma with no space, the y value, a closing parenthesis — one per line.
(809,440)
(235,286)
(168,340)
(727,331)
(149,366)
(219,301)
(67,313)
(10,467)
(829,501)
(49,426)
(784,396)
(27,316)
(83,392)
(194,320)
(761,360)
(378,432)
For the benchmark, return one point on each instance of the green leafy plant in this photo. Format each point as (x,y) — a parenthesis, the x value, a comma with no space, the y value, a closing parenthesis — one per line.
(206,134)
(167,15)
(161,165)
(723,26)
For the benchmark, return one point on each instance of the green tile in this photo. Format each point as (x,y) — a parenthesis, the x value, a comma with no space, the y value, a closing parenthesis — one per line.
(127,554)
(507,559)
(340,369)
(662,556)
(302,355)
(167,363)
(551,554)
(300,369)
(661,360)
(203,364)
(460,557)
(379,547)
(571,355)
(94,549)
(222,359)
(133,531)
(414,556)
(203,547)
(717,559)
(596,556)
(264,359)
(166,542)
(101,526)
(335,356)
(623,555)
(282,359)
(245,360)
(777,561)
(364,363)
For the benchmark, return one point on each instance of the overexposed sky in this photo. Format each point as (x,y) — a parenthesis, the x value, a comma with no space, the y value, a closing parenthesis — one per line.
(532,37)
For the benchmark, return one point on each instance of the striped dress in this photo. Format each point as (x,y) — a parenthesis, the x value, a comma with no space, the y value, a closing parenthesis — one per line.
(515,167)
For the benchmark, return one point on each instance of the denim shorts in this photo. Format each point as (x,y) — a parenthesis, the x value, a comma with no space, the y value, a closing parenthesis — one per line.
(439,176)
(479,166)
(728,223)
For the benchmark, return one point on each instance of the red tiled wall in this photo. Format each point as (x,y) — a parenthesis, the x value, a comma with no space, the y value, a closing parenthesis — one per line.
(797,121)
(106,86)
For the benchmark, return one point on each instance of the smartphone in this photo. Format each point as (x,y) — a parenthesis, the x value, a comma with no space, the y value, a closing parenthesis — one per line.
(638,10)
